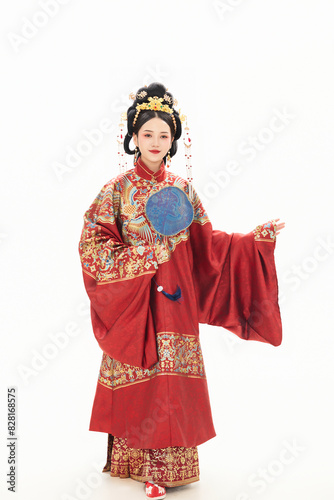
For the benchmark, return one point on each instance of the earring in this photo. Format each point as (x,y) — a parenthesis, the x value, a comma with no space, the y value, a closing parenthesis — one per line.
(168,160)
(136,156)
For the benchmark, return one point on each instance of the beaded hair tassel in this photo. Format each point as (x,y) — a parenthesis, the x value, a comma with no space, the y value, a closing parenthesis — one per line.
(187,144)
(154,103)
(122,163)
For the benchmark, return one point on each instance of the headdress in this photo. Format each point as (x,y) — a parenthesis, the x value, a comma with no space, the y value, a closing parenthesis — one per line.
(156,103)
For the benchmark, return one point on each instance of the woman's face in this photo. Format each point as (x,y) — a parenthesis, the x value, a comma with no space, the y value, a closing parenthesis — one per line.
(154,135)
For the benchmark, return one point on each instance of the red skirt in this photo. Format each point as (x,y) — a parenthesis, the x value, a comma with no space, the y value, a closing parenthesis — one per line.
(172,466)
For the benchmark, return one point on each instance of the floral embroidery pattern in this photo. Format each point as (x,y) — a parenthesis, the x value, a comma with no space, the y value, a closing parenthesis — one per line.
(265,232)
(171,466)
(178,354)
(119,208)
(102,254)
(136,227)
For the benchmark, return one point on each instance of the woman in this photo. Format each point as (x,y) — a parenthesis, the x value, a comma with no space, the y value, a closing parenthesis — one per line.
(154,269)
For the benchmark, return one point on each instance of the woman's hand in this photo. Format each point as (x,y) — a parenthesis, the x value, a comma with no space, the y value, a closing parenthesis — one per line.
(279,226)
(161,252)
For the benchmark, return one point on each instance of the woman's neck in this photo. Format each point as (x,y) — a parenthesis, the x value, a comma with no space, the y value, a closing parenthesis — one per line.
(153,166)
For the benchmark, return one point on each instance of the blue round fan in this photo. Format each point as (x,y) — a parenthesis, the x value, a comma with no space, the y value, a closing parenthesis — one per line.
(169,211)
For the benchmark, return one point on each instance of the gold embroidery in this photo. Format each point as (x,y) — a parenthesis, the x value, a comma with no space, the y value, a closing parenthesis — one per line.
(178,355)
(265,232)
(171,466)
(136,228)
(122,200)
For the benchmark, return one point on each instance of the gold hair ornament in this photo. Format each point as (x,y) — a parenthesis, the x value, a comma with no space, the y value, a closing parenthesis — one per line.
(155,104)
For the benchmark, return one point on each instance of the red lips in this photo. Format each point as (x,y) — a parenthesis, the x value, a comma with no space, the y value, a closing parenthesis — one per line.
(154,151)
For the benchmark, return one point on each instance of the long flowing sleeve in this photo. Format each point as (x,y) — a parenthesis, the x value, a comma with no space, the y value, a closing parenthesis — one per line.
(117,278)
(235,279)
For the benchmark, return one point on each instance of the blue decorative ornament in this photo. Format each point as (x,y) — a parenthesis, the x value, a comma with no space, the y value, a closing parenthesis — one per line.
(169,211)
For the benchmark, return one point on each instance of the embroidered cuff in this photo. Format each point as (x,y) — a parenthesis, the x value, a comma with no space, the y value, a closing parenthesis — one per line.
(265,232)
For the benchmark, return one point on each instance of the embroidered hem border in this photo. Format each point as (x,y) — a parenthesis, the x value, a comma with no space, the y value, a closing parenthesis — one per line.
(169,467)
(179,354)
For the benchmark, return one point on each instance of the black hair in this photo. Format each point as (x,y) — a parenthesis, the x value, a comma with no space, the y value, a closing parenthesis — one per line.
(158,90)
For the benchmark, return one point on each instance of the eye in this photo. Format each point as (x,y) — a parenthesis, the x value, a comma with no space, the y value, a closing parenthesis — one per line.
(148,135)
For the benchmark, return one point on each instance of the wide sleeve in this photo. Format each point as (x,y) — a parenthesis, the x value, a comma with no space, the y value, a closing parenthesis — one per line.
(117,278)
(235,279)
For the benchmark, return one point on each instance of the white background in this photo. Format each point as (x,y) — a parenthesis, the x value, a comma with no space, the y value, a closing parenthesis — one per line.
(232,66)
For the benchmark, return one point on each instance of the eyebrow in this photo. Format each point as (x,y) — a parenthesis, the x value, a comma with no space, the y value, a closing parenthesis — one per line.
(146,130)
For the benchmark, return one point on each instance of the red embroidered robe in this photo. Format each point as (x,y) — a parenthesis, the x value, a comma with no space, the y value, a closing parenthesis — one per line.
(152,385)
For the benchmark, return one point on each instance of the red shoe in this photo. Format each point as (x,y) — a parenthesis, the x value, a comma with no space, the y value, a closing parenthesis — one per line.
(153,491)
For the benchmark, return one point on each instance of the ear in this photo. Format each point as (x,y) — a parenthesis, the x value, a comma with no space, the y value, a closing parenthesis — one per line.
(134,137)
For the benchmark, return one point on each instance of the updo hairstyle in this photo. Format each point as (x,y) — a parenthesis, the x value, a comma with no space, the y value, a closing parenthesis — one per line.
(158,90)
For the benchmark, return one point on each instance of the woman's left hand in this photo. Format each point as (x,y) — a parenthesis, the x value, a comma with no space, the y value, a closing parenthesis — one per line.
(279,226)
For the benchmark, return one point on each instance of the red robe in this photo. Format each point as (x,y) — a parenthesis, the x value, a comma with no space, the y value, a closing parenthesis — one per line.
(152,385)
